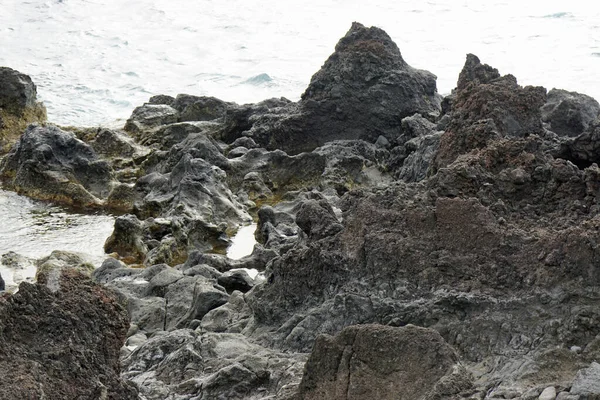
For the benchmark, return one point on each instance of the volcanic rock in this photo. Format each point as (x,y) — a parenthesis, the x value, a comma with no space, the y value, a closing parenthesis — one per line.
(18,106)
(51,164)
(362,91)
(569,113)
(64,343)
(374,361)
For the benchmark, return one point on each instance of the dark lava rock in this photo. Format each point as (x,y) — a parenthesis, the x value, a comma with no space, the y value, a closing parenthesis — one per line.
(362,91)
(50,164)
(18,106)
(382,362)
(569,113)
(200,108)
(60,339)
(2,284)
(583,150)
(236,280)
(150,116)
(487,107)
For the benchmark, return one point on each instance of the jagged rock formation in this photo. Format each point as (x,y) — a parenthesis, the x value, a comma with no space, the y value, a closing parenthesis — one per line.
(18,106)
(60,338)
(374,361)
(479,223)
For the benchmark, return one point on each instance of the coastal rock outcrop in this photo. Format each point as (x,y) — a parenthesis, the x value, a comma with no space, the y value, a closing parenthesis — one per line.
(18,106)
(48,163)
(362,91)
(60,338)
(448,256)
(374,361)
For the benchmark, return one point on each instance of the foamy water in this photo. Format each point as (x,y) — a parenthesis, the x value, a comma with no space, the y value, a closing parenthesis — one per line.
(95,60)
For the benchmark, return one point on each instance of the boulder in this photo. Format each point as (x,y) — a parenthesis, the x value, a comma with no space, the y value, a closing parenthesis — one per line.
(18,106)
(150,116)
(62,344)
(374,361)
(487,107)
(569,113)
(50,164)
(587,381)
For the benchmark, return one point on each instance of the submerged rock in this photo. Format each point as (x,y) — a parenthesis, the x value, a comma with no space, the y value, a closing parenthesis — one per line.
(64,343)
(18,106)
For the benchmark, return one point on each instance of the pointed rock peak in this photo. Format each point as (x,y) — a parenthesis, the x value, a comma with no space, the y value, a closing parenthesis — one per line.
(476,72)
(373,41)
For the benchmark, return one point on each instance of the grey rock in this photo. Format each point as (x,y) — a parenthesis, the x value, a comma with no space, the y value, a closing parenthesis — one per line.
(383,362)
(205,298)
(587,381)
(548,393)
(362,91)
(195,108)
(569,113)
(51,164)
(150,116)
(421,153)
(236,280)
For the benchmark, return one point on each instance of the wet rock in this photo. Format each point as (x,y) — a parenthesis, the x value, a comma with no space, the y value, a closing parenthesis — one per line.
(111,143)
(569,113)
(169,135)
(59,260)
(587,381)
(362,91)
(18,106)
(62,344)
(195,108)
(51,164)
(383,362)
(149,116)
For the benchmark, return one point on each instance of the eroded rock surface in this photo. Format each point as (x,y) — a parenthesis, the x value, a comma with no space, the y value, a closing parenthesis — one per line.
(18,106)
(64,343)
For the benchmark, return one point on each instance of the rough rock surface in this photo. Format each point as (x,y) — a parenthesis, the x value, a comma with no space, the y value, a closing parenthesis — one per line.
(51,164)
(486,107)
(569,113)
(18,106)
(374,361)
(60,338)
(481,223)
(362,91)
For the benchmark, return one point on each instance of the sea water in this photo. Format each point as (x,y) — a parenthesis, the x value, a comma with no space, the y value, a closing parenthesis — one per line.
(95,60)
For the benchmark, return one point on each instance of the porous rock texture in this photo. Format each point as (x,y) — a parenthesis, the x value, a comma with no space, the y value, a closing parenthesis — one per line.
(60,339)
(378,206)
